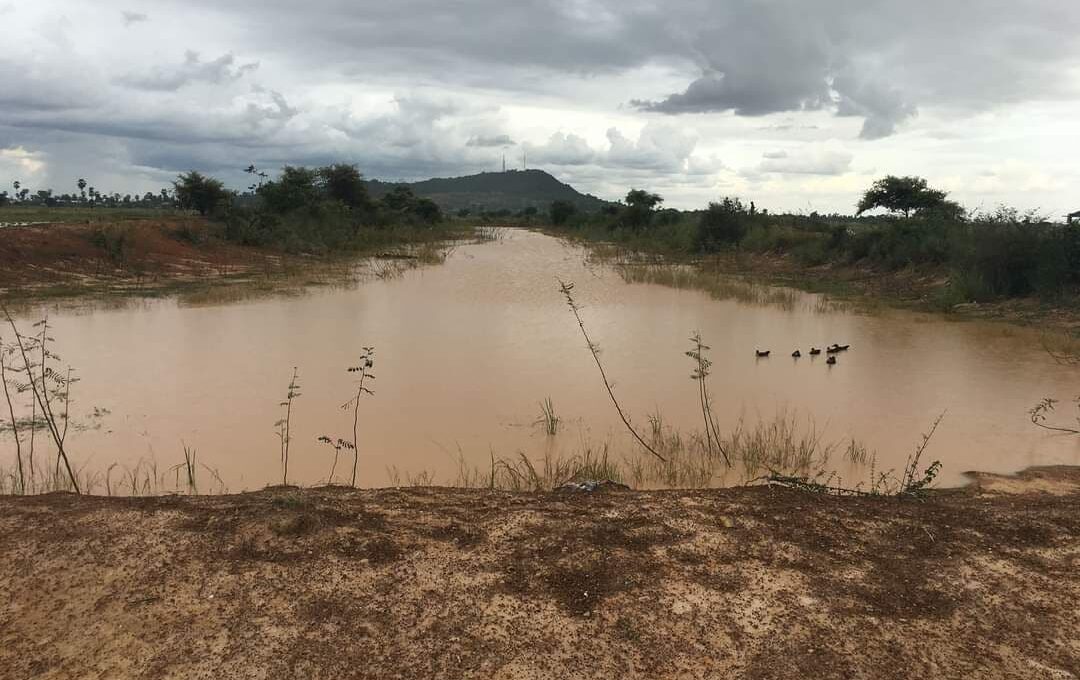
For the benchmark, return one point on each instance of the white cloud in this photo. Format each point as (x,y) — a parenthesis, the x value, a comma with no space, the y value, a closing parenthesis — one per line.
(22,164)
(812,159)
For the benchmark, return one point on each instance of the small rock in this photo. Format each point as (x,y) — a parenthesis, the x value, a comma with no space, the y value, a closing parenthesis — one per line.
(588,486)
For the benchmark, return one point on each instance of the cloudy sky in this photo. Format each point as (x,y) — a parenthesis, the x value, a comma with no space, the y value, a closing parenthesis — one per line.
(795,104)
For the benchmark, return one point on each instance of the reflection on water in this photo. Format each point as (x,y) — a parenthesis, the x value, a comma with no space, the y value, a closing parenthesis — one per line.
(468,351)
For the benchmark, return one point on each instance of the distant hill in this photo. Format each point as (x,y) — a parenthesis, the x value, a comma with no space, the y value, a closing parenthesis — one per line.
(510,190)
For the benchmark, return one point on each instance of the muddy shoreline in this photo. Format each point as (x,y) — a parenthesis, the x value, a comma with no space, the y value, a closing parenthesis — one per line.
(913,288)
(449,583)
(145,258)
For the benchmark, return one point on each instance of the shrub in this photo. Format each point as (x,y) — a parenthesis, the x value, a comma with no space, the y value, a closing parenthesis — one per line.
(811,252)
(118,242)
(561,212)
(759,239)
(195,191)
(193,232)
(722,224)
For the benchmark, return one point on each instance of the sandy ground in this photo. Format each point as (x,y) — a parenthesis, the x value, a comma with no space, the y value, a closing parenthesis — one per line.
(443,583)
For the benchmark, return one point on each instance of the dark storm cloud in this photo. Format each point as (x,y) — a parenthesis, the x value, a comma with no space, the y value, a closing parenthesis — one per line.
(876,59)
(192,70)
(350,79)
(880,107)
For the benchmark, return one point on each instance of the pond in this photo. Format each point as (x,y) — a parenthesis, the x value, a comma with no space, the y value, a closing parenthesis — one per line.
(465,352)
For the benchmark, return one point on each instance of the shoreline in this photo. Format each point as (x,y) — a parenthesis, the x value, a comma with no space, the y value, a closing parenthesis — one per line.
(867,288)
(160,257)
(450,583)
(175,255)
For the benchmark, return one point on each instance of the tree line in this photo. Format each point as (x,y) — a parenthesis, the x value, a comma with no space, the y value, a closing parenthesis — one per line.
(303,208)
(986,255)
(86,196)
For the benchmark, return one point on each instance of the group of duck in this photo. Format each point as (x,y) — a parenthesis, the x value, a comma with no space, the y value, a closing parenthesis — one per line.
(832,350)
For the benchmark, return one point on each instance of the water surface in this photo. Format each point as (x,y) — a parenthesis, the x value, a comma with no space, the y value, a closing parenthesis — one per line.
(467,350)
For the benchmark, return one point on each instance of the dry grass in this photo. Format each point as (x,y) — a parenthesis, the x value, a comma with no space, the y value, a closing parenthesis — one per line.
(719,286)
(783,444)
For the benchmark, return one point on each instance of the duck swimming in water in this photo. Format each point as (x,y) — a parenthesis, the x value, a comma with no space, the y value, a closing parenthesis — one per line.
(814,351)
(796,354)
(762,352)
(831,361)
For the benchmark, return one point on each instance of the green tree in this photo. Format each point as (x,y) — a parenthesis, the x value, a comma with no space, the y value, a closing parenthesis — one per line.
(296,188)
(561,212)
(195,191)
(723,223)
(905,195)
(82,188)
(4,200)
(640,205)
(427,210)
(400,198)
(342,182)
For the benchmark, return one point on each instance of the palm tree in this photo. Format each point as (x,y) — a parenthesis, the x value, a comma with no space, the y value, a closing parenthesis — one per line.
(82,188)
(16,184)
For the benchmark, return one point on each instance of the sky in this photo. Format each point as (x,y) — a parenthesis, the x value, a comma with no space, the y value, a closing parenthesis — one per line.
(796,105)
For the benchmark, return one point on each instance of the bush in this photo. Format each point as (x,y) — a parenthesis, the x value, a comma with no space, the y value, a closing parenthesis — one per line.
(118,242)
(759,239)
(723,224)
(811,252)
(561,212)
(195,191)
(896,244)
(296,188)
(193,232)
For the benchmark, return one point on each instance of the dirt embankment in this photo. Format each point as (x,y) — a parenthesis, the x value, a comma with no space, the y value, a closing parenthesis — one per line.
(123,256)
(442,583)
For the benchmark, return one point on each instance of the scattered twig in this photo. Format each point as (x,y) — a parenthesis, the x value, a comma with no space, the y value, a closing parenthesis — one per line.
(567,290)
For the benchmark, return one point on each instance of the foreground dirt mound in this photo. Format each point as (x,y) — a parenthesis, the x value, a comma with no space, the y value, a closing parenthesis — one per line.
(441,583)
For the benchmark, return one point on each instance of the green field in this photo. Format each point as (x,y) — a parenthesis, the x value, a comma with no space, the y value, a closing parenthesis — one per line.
(38,213)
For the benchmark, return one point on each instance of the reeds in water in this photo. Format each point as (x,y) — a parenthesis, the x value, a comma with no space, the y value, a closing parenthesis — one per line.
(721,287)
(548,420)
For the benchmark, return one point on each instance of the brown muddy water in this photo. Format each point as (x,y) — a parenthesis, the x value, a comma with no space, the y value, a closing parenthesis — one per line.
(466,351)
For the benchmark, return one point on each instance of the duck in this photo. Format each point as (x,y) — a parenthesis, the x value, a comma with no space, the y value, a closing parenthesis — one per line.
(814,351)
(831,360)
(762,352)
(835,347)
(796,354)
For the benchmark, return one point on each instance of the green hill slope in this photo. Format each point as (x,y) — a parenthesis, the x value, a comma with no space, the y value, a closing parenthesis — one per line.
(491,191)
